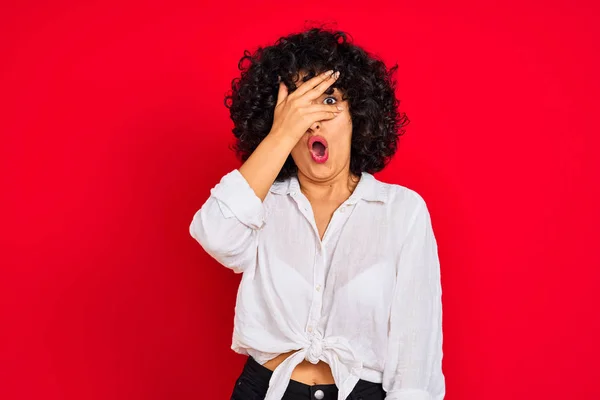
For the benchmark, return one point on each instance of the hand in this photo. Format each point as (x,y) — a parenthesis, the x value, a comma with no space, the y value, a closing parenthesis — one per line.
(295,113)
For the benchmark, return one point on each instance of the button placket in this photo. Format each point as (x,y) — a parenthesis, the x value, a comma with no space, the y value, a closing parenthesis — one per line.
(317,302)
(306,210)
(319,267)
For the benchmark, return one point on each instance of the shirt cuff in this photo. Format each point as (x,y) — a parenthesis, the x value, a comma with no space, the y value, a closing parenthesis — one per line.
(234,192)
(409,394)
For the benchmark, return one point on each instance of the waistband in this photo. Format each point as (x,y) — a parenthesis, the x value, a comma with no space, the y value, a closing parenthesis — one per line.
(261,375)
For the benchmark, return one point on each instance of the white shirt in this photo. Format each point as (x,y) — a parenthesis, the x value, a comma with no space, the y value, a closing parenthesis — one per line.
(366,299)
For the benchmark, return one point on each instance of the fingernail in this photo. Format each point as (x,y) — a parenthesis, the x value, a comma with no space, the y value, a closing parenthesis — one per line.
(336,75)
(328,73)
(340,108)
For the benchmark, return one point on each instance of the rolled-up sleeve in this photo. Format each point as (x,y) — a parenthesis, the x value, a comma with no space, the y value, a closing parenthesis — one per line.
(413,366)
(228,223)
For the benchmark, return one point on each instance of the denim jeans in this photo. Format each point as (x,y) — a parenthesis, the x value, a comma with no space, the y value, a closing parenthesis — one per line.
(254,381)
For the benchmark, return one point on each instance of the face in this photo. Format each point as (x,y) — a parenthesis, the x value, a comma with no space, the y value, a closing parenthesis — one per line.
(337,133)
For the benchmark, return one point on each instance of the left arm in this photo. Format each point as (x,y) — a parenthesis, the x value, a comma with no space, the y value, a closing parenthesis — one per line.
(413,368)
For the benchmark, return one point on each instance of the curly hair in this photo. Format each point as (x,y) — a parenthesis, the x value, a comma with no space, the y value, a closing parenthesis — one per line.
(364,81)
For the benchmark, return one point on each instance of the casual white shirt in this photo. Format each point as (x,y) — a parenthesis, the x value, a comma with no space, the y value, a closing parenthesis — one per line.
(366,299)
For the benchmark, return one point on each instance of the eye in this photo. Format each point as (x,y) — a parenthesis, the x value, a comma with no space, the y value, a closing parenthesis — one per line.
(330,97)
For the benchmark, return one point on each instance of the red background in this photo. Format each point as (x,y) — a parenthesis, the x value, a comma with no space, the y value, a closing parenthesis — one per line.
(114,130)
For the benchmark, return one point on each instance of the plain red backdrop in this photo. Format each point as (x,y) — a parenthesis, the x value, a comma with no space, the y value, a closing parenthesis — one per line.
(114,130)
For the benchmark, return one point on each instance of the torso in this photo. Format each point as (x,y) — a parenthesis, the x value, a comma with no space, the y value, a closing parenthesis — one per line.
(307,372)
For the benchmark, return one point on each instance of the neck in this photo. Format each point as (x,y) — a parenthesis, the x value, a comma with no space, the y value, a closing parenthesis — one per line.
(338,188)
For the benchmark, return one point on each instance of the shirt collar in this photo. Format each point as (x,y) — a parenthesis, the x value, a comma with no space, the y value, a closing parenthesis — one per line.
(368,188)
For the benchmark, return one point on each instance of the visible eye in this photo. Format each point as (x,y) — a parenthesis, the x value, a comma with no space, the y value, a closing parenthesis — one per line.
(330,97)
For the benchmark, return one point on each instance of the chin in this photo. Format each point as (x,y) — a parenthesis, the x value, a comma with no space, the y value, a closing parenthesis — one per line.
(317,171)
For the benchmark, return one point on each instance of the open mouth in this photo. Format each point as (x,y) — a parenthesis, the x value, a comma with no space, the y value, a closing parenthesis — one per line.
(317,145)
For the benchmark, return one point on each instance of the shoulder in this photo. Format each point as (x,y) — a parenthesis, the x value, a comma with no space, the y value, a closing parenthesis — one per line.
(277,196)
(280,187)
(400,198)
(405,207)
(407,211)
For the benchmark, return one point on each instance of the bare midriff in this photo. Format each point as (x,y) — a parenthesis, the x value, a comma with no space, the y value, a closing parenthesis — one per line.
(305,372)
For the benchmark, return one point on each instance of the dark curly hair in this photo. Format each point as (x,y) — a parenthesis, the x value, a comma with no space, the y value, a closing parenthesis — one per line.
(364,81)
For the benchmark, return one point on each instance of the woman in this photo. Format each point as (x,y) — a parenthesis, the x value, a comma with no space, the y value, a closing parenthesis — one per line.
(340,296)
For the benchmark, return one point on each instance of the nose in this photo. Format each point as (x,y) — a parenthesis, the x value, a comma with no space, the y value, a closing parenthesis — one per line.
(317,124)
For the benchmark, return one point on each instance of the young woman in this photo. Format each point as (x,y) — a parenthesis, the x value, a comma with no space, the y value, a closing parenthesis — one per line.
(340,296)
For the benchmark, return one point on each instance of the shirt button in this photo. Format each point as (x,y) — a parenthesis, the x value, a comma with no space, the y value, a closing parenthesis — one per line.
(310,328)
(318,288)
(319,394)
(343,209)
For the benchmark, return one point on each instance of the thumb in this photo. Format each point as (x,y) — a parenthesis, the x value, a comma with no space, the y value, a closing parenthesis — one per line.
(282,94)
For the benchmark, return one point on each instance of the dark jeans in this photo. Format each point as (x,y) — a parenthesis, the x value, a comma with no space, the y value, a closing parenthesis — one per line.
(254,382)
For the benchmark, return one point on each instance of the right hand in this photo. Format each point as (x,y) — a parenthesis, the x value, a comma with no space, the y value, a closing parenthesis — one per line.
(295,113)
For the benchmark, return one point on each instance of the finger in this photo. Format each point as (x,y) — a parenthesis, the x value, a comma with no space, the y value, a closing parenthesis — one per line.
(282,93)
(324,108)
(311,83)
(322,115)
(318,90)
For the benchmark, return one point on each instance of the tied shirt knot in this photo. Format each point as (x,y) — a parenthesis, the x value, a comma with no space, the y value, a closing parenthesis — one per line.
(334,350)
(315,350)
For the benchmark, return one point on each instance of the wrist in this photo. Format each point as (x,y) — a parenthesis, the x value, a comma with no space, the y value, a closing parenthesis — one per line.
(282,139)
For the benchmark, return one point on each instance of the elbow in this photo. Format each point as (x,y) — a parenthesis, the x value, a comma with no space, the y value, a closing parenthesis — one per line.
(197,230)
(232,244)
(207,234)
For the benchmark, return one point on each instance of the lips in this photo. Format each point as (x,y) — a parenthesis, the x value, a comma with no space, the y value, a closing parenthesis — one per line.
(319,151)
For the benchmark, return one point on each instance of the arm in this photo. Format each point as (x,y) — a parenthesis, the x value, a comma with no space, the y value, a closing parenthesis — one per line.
(265,162)
(413,368)
(293,115)
(227,225)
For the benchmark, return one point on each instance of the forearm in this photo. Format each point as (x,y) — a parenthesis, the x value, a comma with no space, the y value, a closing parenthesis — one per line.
(264,164)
